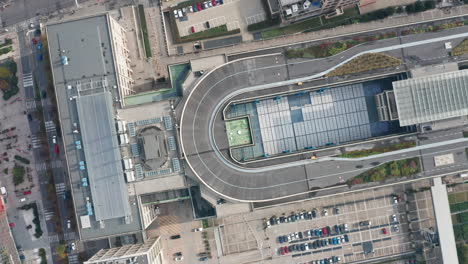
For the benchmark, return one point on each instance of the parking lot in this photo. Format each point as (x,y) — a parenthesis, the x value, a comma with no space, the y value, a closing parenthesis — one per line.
(232,13)
(387,235)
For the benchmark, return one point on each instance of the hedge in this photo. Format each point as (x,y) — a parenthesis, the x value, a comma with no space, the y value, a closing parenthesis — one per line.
(21,159)
(144,31)
(264,24)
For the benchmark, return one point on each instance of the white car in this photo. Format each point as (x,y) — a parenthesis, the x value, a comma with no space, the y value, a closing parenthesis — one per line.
(289,238)
(179,258)
(54,139)
(206,5)
(198,229)
(306,246)
(325,212)
(190,9)
(73,246)
(23,200)
(394,218)
(176,14)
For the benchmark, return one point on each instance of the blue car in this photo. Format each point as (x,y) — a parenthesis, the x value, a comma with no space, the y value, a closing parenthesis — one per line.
(335,241)
(280,239)
(39,57)
(39,46)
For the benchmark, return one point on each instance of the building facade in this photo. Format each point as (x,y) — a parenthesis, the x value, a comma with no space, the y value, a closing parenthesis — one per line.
(121,58)
(149,252)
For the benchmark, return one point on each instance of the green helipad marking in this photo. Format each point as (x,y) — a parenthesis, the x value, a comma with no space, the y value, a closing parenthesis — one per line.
(238,132)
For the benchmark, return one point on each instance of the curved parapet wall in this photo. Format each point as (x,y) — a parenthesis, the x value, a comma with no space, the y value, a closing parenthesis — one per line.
(201,153)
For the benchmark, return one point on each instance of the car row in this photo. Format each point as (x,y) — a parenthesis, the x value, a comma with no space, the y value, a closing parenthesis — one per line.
(291,218)
(182,12)
(333,259)
(319,243)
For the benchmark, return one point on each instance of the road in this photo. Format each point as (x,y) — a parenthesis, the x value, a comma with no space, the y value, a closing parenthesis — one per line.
(201,119)
(30,64)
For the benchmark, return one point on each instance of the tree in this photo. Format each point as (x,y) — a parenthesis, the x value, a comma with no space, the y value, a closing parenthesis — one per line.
(4,73)
(418,6)
(4,85)
(390,10)
(400,9)
(410,9)
(429,5)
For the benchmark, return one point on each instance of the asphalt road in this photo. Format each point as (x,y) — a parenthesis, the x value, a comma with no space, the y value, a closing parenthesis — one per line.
(204,152)
(21,10)
(30,64)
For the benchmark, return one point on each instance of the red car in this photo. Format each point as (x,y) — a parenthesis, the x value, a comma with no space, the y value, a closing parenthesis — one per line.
(385,231)
(199,8)
(27,192)
(192,29)
(282,251)
(213,2)
(286,250)
(11,224)
(34,41)
(325,231)
(56,149)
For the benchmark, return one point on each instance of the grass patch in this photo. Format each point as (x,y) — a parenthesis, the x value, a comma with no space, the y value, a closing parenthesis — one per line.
(458,207)
(392,169)
(21,159)
(18,174)
(238,132)
(205,223)
(462,252)
(270,22)
(366,62)
(144,30)
(8,79)
(209,33)
(378,150)
(328,49)
(461,49)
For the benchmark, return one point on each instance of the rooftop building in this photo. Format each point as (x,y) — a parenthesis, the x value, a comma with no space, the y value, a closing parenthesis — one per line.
(149,252)
(432,98)
(90,79)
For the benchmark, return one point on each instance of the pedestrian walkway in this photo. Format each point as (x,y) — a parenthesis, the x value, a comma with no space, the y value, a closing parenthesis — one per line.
(31,105)
(36,142)
(60,189)
(41,166)
(50,127)
(54,238)
(27,80)
(69,236)
(73,259)
(55,164)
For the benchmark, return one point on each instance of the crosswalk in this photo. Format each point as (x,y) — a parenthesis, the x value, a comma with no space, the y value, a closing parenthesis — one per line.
(31,105)
(41,166)
(60,189)
(54,238)
(36,141)
(69,236)
(50,127)
(73,259)
(54,164)
(27,80)
(48,215)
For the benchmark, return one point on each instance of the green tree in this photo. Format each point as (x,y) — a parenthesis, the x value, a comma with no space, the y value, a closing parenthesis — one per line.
(429,5)
(410,9)
(4,73)
(400,9)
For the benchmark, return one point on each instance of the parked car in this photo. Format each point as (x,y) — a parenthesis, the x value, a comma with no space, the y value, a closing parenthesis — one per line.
(199,6)
(281,251)
(192,29)
(44,94)
(395,228)
(325,212)
(213,2)
(34,41)
(394,218)
(27,193)
(221,2)
(73,246)
(203,259)
(384,231)
(23,200)
(337,210)
(300,235)
(346,238)
(56,149)
(365,223)
(179,258)
(175,237)
(198,229)
(40,57)
(190,8)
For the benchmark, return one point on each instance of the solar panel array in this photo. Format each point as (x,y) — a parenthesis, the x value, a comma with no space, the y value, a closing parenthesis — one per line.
(135,151)
(131,129)
(139,171)
(171,142)
(168,122)
(147,122)
(158,172)
(176,165)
